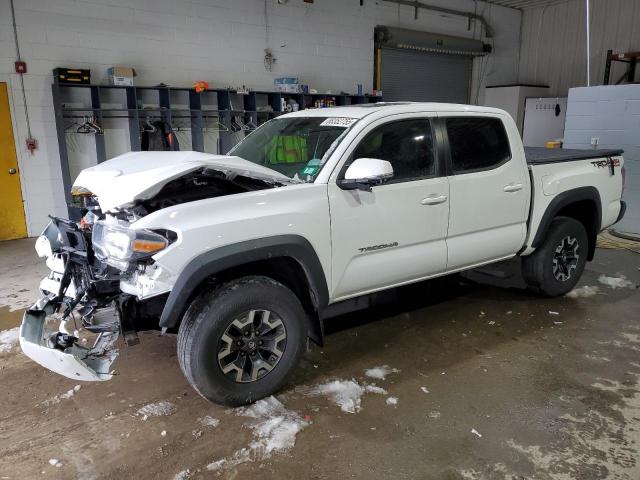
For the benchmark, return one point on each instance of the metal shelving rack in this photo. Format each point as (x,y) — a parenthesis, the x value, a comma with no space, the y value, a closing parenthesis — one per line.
(137,104)
(630,58)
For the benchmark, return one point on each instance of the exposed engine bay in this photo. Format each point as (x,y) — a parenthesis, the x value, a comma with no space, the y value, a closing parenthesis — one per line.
(198,185)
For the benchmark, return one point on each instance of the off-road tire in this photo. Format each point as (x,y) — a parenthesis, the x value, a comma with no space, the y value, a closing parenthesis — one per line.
(539,270)
(208,318)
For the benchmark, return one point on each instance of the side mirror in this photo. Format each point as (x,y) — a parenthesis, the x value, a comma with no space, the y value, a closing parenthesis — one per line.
(365,173)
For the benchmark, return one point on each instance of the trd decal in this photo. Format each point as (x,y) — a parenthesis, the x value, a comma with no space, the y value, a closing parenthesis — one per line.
(378,247)
(610,162)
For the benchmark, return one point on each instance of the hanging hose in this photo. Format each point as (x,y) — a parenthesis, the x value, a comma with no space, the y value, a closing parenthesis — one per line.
(24,94)
(607,240)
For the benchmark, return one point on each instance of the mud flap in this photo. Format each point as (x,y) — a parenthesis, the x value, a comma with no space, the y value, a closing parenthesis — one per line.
(75,362)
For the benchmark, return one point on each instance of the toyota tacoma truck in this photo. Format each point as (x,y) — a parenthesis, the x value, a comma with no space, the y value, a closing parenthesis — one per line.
(244,255)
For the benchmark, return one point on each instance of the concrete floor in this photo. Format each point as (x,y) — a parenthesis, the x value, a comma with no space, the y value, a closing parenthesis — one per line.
(514,391)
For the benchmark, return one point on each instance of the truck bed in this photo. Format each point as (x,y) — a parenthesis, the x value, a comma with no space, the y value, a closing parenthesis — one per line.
(541,155)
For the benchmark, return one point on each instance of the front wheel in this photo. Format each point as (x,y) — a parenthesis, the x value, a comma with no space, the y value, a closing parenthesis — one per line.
(557,265)
(242,340)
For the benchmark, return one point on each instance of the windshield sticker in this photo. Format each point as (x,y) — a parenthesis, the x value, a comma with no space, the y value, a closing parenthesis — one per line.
(338,122)
(312,167)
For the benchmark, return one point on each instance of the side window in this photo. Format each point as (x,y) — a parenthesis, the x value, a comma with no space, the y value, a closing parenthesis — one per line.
(407,144)
(477,143)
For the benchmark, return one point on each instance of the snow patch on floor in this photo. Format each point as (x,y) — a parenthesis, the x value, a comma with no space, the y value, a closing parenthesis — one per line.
(380,373)
(616,282)
(9,339)
(375,389)
(183,475)
(209,421)
(393,401)
(583,292)
(62,396)
(274,430)
(157,409)
(347,394)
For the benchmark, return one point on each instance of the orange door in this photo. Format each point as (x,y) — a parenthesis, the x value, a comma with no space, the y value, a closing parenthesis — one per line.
(12,223)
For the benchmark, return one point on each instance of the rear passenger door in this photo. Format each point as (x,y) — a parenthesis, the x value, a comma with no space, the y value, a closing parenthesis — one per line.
(489,188)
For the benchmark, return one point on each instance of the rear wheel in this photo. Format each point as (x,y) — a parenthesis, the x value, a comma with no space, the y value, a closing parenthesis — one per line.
(557,265)
(241,341)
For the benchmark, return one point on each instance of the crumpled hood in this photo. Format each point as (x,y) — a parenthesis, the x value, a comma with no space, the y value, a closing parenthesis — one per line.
(140,175)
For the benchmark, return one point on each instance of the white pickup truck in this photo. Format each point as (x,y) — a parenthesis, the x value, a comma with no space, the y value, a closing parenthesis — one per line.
(246,254)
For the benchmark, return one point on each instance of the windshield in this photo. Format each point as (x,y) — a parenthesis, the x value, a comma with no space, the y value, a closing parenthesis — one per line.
(297,147)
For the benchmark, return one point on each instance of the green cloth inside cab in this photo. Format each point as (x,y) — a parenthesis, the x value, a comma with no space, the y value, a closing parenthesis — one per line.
(287,149)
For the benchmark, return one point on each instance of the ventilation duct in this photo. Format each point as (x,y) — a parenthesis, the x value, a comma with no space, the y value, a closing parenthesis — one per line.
(391,37)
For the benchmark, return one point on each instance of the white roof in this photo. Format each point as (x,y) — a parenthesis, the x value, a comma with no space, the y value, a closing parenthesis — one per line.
(389,108)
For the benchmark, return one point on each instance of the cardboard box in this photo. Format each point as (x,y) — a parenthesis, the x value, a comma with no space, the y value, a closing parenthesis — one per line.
(287,84)
(121,75)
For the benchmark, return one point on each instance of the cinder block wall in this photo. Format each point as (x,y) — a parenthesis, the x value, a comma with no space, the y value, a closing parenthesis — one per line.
(611,114)
(328,44)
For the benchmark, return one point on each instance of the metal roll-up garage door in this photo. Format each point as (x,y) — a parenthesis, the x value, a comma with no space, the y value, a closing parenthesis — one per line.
(424,77)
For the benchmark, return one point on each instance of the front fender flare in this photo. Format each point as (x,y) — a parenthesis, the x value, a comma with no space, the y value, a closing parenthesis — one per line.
(217,260)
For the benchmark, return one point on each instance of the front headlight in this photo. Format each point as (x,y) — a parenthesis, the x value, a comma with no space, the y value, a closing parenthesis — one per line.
(118,245)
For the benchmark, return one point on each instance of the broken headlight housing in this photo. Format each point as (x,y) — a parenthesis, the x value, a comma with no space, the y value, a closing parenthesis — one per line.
(119,246)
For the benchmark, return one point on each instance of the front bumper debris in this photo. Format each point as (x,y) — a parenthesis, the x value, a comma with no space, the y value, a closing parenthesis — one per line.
(76,361)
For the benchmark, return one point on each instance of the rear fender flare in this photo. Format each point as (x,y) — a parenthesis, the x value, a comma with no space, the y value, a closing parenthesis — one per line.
(565,199)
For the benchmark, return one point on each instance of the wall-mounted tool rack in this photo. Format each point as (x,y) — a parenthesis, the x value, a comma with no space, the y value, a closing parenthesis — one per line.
(230,115)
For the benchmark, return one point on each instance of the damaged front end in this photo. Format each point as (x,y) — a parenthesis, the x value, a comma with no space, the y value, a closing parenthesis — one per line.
(73,328)
(107,277)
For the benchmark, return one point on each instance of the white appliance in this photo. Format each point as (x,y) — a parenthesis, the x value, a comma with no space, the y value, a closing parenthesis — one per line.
(543,120)
(512,98)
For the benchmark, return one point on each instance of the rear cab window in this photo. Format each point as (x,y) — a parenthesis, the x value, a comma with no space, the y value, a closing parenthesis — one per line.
(476,143)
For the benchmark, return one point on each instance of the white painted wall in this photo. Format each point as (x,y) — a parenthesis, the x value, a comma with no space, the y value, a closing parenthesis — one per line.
(553,50)
(611,114)
(329,45)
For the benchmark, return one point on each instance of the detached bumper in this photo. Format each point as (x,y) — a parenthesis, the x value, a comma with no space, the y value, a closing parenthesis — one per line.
(75,362)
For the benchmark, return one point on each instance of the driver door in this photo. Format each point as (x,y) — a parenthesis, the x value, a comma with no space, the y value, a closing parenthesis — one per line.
(395,233)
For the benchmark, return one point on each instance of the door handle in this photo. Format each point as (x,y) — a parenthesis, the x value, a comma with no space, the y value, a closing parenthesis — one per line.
(12,171)
(433,200)
(513,187)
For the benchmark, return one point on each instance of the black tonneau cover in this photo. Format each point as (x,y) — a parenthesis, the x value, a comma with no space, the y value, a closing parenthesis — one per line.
(541,155)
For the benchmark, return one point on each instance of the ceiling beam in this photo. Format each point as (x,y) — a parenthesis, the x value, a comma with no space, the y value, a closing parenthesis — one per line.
(525,4)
